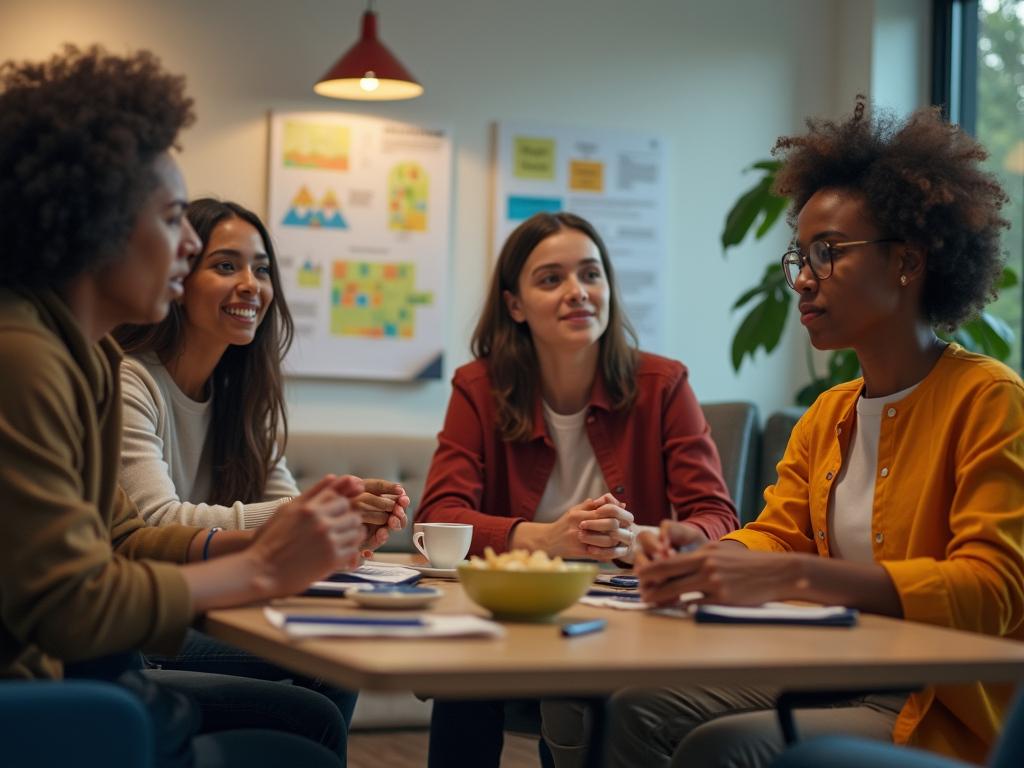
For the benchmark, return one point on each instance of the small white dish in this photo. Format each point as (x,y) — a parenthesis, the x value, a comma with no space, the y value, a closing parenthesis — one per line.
(396,600)
(436,573)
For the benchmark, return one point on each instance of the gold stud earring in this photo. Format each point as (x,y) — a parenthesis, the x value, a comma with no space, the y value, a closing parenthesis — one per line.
(903,279)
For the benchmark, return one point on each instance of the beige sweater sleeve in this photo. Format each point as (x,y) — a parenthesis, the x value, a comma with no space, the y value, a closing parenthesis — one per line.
(63,588)
(145,474)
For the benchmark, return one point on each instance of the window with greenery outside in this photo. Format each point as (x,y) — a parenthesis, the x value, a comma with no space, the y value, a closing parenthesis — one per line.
(1000,127)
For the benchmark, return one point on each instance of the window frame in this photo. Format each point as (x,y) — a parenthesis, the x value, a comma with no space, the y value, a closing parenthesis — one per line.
(955,61)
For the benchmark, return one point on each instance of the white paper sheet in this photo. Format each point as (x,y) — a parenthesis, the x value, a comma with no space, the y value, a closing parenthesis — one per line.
(618,603)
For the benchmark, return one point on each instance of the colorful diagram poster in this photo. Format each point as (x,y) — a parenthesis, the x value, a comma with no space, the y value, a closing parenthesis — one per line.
(617,180)
(359,211)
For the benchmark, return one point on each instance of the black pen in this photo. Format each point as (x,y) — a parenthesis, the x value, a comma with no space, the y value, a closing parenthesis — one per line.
(584,628)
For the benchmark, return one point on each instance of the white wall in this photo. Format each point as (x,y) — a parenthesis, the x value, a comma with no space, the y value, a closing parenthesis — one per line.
(723,80)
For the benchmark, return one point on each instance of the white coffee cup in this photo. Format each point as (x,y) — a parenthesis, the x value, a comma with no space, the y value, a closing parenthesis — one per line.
(444,544)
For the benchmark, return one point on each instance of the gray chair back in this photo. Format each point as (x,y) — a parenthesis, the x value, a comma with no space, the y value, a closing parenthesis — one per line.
(774,441)
(403,459)
(735,428)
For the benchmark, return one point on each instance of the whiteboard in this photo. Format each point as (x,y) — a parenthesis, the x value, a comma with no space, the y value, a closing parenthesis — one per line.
(616,180)
(359,210)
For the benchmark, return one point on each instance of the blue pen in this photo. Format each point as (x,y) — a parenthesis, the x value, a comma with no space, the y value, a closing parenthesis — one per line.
(354,621)
(583,628)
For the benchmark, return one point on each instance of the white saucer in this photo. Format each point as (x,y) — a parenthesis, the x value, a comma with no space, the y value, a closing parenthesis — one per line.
(397,600)
(436,573)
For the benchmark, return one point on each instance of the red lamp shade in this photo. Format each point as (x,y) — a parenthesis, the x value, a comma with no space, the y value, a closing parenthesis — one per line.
(368,71)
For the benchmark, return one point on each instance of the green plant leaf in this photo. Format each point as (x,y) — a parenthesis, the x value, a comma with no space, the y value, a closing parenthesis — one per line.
(772,280)
(743,214)
(991,336)
(1008,280)
(756,201)
(962,337)
(763,326)
(999,327)
(755,291)
(772,210)
(809,394)
(843,366)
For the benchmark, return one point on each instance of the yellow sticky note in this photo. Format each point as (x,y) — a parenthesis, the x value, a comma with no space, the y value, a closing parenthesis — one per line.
(586,176)
(533,158)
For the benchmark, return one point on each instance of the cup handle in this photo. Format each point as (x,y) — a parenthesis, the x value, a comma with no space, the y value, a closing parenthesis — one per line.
(416,539)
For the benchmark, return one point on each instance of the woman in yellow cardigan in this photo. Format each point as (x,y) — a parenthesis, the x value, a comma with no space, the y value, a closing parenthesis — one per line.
(901,493)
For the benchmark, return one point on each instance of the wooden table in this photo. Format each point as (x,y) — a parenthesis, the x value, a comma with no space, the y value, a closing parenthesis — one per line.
(534,660)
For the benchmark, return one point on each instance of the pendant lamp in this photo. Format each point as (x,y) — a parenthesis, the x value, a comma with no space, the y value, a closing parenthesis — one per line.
(368,71)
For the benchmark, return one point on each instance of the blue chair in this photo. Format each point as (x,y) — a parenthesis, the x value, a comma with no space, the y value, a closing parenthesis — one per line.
(840,752)
(81,723)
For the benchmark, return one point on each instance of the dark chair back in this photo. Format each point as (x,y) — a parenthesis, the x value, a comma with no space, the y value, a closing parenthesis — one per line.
(735,428)
(48,724)
(773,446)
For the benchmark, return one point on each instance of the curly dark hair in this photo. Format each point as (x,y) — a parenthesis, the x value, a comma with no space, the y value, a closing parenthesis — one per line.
(921,180)
(78,138)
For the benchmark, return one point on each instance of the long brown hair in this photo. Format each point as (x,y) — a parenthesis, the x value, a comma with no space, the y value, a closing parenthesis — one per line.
(249,422)
(508,345)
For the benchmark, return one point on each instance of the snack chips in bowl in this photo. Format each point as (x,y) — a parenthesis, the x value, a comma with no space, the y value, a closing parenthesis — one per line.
(524,586)
(518,560)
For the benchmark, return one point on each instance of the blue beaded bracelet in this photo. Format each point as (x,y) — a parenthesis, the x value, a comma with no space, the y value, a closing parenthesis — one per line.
(206,546)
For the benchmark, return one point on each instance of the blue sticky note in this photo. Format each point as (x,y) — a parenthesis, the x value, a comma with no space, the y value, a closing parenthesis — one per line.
(520,208)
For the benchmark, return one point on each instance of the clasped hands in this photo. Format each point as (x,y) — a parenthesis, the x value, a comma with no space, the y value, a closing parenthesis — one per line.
(382,506)
(325,529)
(598,528)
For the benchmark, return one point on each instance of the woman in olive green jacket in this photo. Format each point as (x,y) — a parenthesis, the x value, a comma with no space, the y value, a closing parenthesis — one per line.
(94,234)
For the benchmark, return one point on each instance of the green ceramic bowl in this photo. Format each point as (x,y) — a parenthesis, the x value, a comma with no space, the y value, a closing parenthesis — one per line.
(526,595)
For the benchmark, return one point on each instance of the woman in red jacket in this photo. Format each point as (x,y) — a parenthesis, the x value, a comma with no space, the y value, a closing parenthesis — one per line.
(561,436)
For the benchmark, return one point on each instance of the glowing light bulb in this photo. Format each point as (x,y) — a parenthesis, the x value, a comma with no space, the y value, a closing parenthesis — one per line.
(369,82)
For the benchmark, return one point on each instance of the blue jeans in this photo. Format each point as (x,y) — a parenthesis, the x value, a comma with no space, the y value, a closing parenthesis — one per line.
(201,653)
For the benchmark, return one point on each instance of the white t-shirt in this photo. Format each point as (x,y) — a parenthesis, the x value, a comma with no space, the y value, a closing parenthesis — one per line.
(852,500)
(167,450)
(577,475)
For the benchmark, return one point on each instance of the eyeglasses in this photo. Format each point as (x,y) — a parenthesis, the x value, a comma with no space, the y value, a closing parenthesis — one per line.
(819,258)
